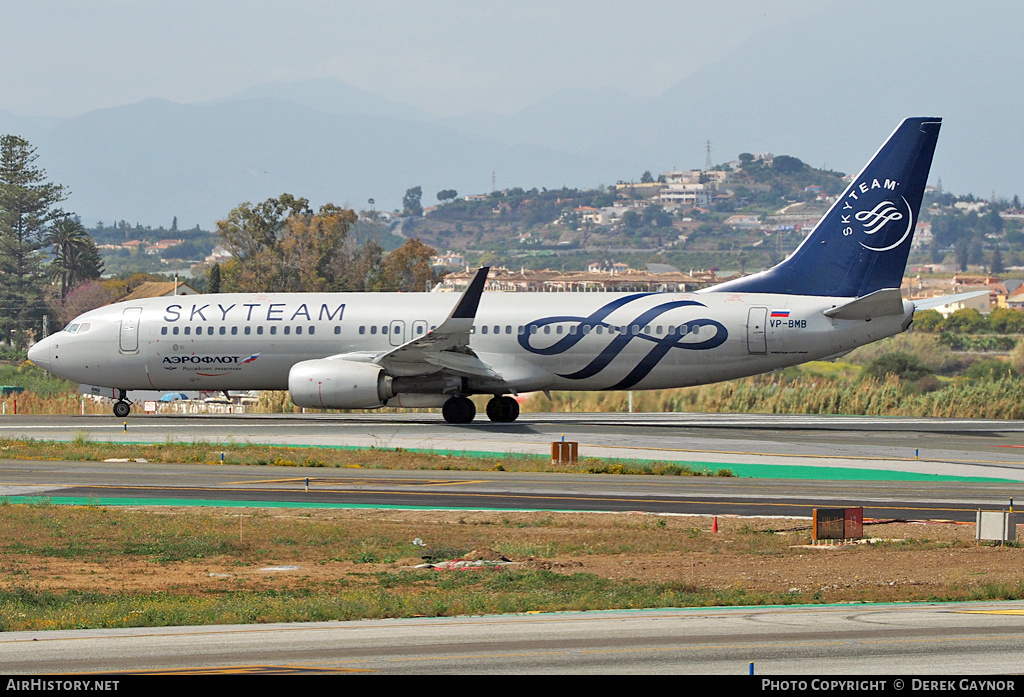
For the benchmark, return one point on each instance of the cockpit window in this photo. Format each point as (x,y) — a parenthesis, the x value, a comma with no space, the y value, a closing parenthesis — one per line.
(73,329)
(86,326)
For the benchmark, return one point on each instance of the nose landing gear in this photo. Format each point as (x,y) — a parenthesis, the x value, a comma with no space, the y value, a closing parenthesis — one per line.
(122,407)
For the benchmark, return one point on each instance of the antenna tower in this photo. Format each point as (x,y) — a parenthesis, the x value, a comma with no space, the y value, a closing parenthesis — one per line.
(707,157)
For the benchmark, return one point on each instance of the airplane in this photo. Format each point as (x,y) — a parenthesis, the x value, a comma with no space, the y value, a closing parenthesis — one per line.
(838,290)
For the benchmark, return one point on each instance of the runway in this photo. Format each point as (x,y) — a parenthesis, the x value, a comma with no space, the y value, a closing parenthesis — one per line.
(789,465)
(757,445)
(786,465)
(817,642)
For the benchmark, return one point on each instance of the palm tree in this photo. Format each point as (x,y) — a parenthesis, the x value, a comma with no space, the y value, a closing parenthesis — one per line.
(76,257)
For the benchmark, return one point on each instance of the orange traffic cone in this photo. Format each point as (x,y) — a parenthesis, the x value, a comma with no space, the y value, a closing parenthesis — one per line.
(714,526)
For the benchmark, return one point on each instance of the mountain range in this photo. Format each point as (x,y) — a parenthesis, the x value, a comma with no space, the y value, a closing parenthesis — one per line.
(827,89)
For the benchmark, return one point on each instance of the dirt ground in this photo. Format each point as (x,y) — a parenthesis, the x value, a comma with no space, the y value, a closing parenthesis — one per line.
(905,561)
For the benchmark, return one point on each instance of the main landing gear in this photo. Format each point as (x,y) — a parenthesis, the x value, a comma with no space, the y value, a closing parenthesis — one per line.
(461,410)
(122,407)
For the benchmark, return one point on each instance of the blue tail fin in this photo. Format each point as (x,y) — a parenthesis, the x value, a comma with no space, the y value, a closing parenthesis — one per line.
(862,242)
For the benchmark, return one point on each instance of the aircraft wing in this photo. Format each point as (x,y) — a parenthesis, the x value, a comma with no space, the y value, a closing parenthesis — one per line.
(932,303)
(445,348)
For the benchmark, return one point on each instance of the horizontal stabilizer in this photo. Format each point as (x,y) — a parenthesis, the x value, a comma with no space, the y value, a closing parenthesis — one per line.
(881,303)
(932,303)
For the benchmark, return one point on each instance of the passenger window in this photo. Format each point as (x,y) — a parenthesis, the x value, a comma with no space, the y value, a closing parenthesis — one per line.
(163,330)
(547,328)
(273,329)
(175,331)
(234,331)
(497,329)
(362,330)
(312,330)
(508,328)
(298,330)
(600,329)
(558,329)
(483,329)
(209,331)
(259,329)
(248,330)
(287,330)
(223,331)
(188,330)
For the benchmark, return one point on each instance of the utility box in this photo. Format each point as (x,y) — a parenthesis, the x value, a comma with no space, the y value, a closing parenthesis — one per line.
(565,452)
(997,525)
(837,524)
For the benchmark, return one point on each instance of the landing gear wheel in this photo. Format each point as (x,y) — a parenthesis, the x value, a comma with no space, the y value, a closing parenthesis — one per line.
(458,410)
(503,409)
(122,409)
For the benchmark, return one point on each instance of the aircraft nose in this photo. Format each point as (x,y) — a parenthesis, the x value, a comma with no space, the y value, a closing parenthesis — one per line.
(41,353)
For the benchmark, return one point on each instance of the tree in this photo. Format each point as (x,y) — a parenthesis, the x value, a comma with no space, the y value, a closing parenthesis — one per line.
(906,366)
(411,201)
(646,177)
(997,261)
(28,204)
(408,268)
(785,164)
(82,298)
(213,279)
(76,257)
(282,245)
(928,321)
(447,194)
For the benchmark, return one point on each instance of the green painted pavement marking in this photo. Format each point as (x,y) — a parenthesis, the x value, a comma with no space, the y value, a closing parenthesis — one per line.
(752,471)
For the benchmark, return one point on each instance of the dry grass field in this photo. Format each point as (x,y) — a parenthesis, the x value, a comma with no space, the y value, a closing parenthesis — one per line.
(68,567)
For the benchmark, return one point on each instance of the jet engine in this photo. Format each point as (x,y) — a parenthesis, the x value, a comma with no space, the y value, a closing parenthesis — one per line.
(339,384)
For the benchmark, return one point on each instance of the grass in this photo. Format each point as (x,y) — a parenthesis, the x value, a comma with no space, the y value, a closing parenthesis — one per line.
(81,448)
(93,567)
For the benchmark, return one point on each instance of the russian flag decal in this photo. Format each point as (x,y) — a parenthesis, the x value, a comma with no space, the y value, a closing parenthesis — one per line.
(780,313)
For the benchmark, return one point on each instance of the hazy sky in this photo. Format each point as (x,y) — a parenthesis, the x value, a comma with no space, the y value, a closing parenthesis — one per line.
(65,57)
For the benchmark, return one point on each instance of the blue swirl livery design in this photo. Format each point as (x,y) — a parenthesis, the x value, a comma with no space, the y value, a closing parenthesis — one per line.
(687,335)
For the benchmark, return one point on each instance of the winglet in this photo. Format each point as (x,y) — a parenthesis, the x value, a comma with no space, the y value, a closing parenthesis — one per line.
(466,309)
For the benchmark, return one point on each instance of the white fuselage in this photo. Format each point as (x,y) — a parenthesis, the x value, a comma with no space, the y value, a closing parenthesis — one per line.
(533,341)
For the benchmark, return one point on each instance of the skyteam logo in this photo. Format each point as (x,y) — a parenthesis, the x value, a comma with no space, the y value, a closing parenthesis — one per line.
(882,216)
(699,334)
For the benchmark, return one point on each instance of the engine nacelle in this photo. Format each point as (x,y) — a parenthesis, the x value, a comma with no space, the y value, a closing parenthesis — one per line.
(339,384)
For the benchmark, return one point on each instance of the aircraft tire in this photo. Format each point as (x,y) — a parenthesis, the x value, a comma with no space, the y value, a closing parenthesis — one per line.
(122,409)
(459,410)
(503,410)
